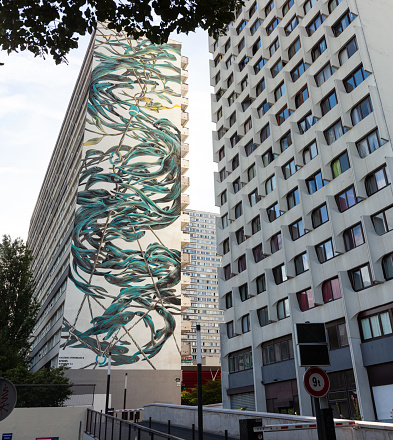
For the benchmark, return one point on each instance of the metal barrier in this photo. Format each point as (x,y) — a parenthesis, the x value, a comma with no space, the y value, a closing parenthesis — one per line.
(106,427)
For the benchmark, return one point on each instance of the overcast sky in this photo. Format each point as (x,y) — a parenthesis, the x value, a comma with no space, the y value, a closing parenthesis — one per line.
(34,95)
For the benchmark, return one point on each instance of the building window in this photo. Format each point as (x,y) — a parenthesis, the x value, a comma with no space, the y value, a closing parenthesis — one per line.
(287,6)
(241,263)
(268,157)
(263,317)
(223,175)
(273,212)
(280,90)
(276,242)
(257,253)
(289,169)
(301,263)
(228,300)
(236,185)
(277,351)
(347,199)
(377,180)
(293,198)
(274,47)
(250,147)
(238,210)
(297,230)
(219,113)
(331,290)
(255,224)
(301,96)
(241,26)
(265,133)
(260,87)
(360,277)
(315,24)
(246,103)
(318,49)
(375,325)
(227,272)
(276,69)
(243,292)
(305,300)
(256,46)
(225,246)
(243,63)
(240,237)
(261,283)
(232,98)
(270,184)
(228,62)
(223,197)
(243,86)
(369,144)
(340,165)
(339,27)
(240,360)
(246,323)
(241,45)
(229,80)
(235,162)
(310,152)
(353,237)
(355,78)
(315,183)
(221,153)
(282,115)
(291,26)
(306,123)
(272,25)
(251,172)
(227,45)
(217,78)
(337,334)
(383,221)
(234,139)
(333,5)
(347,51)
(285,141)
(254,198)
(294,48)
(324,74)
(298,71)
(247,125)
(279,274)
(232,119)
(325,251)
(269,7)
(334,132)
(217,60)
(224,221)
(360,111)
(252,10)
(328,103)
(319,216)
(255,26)
(263,108)
(283,309)
(220,132)
(230,330)
(308,5)
(258,66)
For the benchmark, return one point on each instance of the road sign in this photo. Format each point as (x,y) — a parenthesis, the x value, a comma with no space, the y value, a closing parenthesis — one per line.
(7,398)
(312,344)
(6,436)
(316,382)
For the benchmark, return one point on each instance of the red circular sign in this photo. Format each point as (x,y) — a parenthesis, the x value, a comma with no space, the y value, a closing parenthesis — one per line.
(316,382)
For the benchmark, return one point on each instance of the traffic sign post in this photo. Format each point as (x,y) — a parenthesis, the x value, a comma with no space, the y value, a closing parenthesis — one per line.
(316,382)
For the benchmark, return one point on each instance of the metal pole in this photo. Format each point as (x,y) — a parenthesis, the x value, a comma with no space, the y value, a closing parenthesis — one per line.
(125,392)
(199,382)
(108,383)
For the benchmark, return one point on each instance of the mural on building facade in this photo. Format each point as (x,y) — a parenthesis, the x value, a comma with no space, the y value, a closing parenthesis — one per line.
(129,192)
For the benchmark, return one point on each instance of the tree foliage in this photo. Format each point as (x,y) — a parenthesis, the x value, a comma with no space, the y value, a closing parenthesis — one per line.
(52,26)
(43,388)
(211,393)
(18,307)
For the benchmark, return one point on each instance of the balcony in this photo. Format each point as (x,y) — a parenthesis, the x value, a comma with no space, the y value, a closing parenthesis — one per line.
(184,165)
(185,281)
(185,302)
(185,148)
(185,240)
(184,118)
(184,219)
(185,260)
(185,326)
(184,62)
(184,201)
(184,75)
(185,183)
(184,89)
(184,133)
(184,103)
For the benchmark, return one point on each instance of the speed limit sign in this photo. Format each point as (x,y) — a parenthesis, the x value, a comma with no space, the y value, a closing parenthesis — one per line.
(316,382)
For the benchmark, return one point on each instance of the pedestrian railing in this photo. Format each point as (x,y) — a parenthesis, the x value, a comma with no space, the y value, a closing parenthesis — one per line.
(105,427)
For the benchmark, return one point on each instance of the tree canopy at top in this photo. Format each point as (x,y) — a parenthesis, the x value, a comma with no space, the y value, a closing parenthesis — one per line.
(53,26)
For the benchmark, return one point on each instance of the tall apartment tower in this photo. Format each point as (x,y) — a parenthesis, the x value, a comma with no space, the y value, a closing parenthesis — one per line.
(201,294)
(106,230)
(303,107)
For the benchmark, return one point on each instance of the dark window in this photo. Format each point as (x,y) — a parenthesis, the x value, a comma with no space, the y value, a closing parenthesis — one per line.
(325,251)
(294,48)
(277,351)
(347,199)
(328,103)
(324,74)
(260,87)
(219,113)
(305,300)
(301,96)
(224,221)
(353,237)
(246,103)
(228,62)
(256,46)
(285,141)
(274,47)
(340,165)
(306,123)
(238,210)
(334,132)
(227,45)
(273,212)
(232,119)
(291,26)
(268,157)
(287,6)
(236,185)
(331,290)
(310,152)
(315,24)
(241,26)
(360,277)
(243,292)
(230,330)
(280,90)
(343,23)
(377,180)
(247,125)
(276,242)
(220,132)
(217,78)
(234,139)
(228,300)
(217,60)
(333,5)
(360,111)
(223,197)
(255,26)
(375,325)
(250,147)
(230,80)
(243,63)
(246,323)
(221,153)
(263,317)
(251,172)
(276,69)
(241,45)
(261,283)
(223,174)
(355,78)
(282,115)
(283,309)
(308,5)
(383,221)
(369,144)
(225,246)
(318,49)
(240,360)
(347,51)
(235,162)
(255,224)
(301,263)
(241,263)
(279,274)
(293,198)
(269,7)
(254,198)
(270,184)
(337,334)
(272,25)
(244,85)
(289,169)
(265,133)
(227,272)
(257,253)
(240,237)
(315,183)
(252,10)
(297,230)
(263,108)
(258,66)
(298,71)
(232,98)
(319,216)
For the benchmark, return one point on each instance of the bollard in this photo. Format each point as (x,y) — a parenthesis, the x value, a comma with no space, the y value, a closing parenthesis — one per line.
(150,422)
(226,434)
(193,431)
(169,426)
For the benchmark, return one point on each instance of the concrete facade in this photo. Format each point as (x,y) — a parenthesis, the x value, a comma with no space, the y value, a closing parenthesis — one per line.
(304,116)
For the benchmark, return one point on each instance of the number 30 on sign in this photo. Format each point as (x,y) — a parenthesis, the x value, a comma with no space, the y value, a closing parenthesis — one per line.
(316,382)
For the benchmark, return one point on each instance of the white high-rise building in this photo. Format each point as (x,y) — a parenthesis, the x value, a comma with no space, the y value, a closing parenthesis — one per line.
(303,106)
